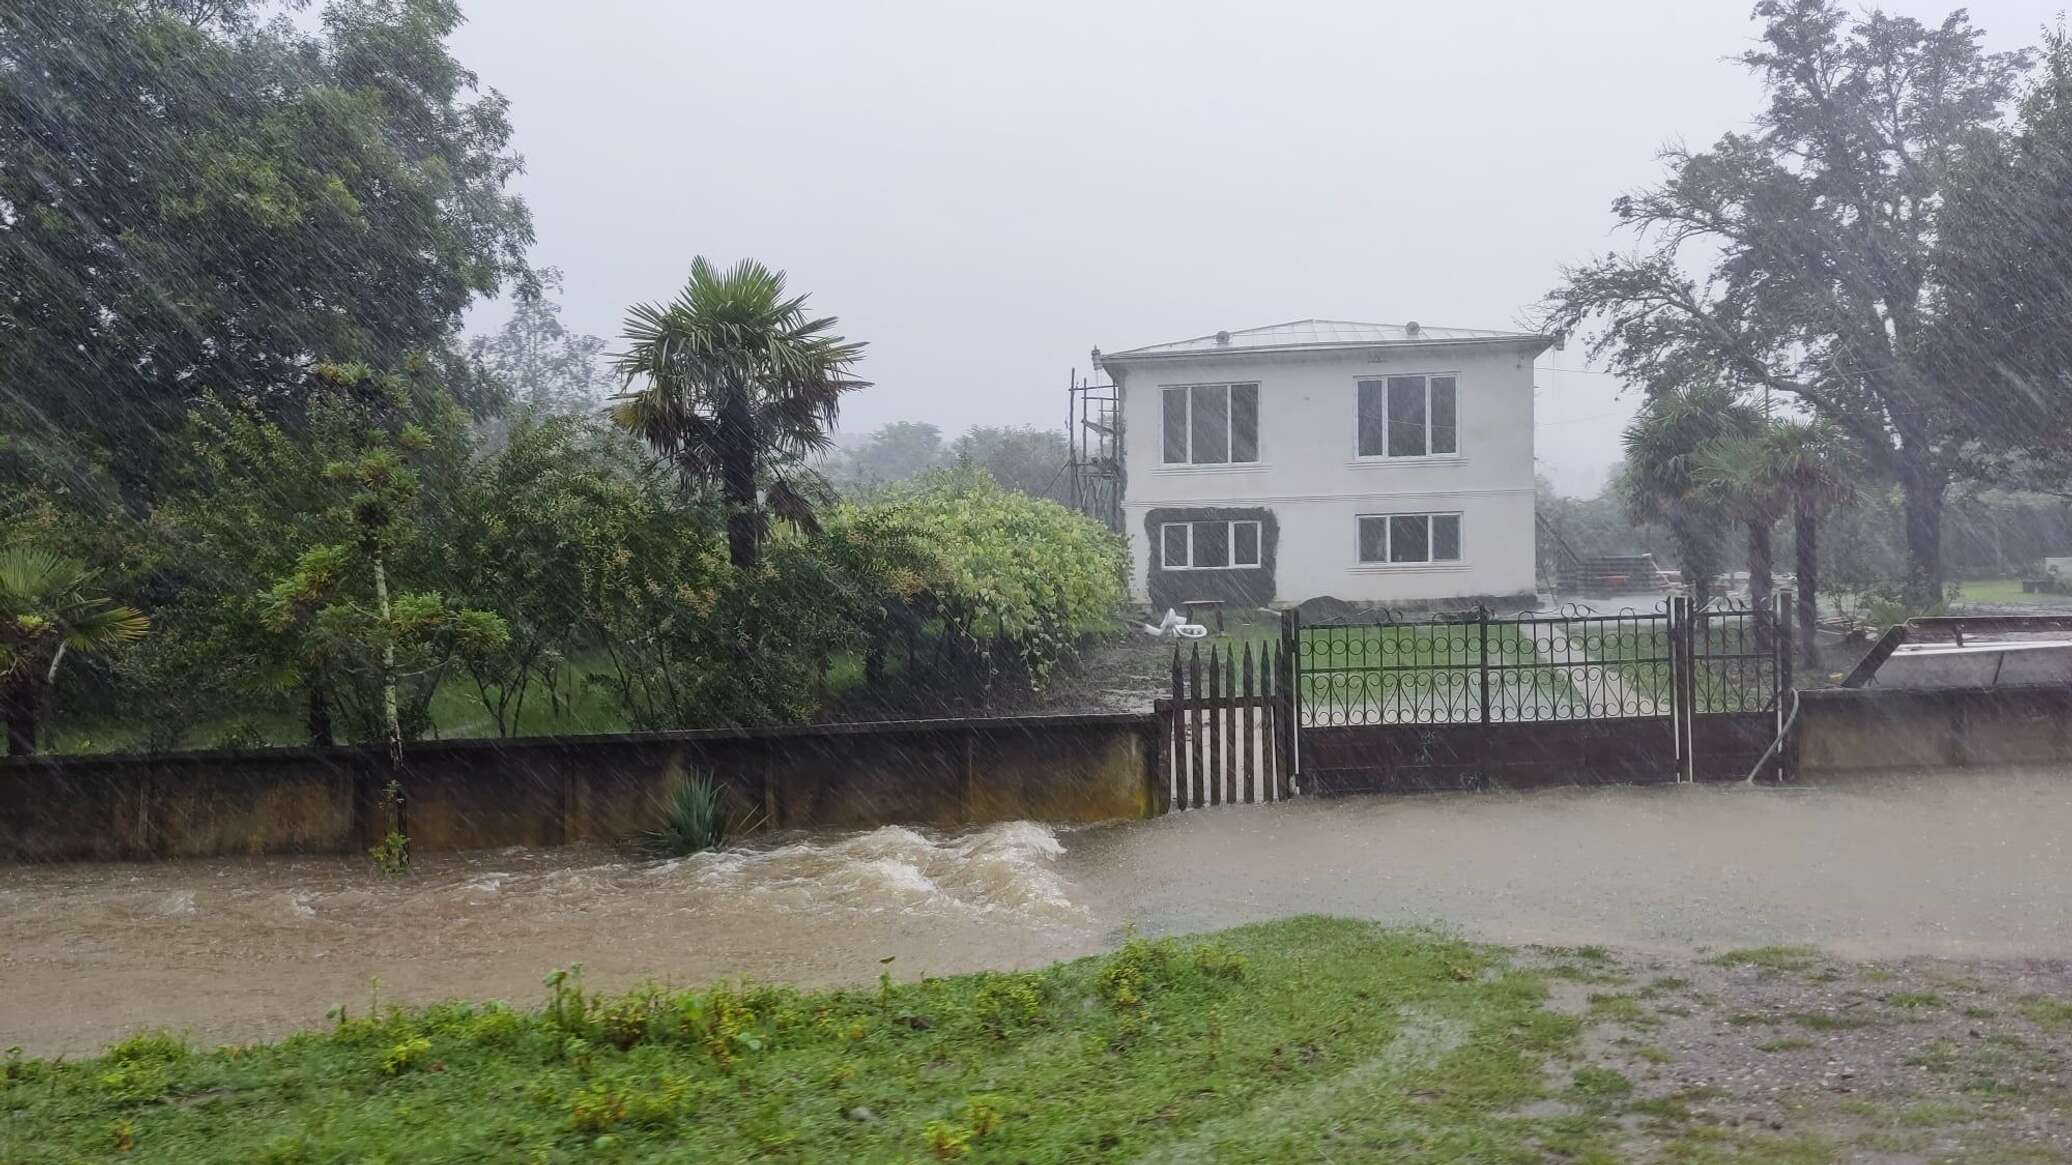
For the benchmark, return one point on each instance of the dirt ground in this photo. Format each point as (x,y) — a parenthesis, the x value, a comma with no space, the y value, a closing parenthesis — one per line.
(1783,1054)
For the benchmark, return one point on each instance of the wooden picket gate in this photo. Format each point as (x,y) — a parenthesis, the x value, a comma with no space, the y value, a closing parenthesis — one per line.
(1229,726)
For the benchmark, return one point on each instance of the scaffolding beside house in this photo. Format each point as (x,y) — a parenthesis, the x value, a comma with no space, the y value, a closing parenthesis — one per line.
(1093,430)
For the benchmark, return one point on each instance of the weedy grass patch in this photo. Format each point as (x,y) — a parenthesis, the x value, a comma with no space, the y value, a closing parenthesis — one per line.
(1164,1048)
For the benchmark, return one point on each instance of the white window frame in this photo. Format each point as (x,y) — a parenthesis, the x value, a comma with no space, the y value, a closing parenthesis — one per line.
(1230,534)
(1229,430)
(1388,536)
(1383,381)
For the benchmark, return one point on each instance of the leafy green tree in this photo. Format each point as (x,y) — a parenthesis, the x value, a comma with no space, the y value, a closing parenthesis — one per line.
(1022,458)
(193,199)
(48,607)
(541,364)
(522,529)
(317,599)
(893,453)
(730,381)
(254,495)
(1663,445)
(2003,256)
(1800,258)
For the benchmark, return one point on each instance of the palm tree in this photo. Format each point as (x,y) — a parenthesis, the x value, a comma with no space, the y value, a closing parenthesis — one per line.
(1814,464)
(1662,448)
(1740,477)
(46,610)
(731,379)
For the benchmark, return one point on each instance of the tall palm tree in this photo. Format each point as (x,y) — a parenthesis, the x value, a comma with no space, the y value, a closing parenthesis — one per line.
(1740,477)
(1662,450)
(731,379)
(1818,470)
(46,610)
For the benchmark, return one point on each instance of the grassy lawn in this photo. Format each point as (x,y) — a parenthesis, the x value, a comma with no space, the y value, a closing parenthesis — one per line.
(1301,1040)
(1308,1039)
(2004,592)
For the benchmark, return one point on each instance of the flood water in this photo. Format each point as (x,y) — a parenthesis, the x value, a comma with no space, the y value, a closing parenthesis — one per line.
(1967,865)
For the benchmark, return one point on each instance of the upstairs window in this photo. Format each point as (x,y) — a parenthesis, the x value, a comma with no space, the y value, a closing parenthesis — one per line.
(1211,424)
(1208,545)
(1408,416)
(1388,538)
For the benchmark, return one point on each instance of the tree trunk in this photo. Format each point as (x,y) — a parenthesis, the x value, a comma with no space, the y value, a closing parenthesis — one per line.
(18,707)
(1921,490)
(1806,552)
(737,483)
(391,719)
(318,715)
(1760,558)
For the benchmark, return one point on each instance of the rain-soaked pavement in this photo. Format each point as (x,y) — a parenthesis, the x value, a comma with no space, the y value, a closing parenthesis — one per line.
(1962,865)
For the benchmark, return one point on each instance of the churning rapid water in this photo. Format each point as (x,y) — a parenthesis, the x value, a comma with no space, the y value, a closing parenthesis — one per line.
(1963,865)
(1001,869)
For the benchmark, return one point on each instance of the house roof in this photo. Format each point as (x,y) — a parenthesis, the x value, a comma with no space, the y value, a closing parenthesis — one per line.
(1323,334)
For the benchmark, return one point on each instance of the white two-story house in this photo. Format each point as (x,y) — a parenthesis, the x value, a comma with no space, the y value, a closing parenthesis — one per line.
(1375,463)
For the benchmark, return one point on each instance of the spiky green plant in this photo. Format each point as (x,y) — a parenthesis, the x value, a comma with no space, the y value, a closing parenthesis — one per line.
(696,816)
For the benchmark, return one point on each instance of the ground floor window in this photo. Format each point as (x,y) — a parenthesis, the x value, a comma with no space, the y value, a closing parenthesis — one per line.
(1410,538)
(1208,545)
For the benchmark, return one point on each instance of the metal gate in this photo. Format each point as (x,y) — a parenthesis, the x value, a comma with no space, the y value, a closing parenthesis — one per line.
(1473,700)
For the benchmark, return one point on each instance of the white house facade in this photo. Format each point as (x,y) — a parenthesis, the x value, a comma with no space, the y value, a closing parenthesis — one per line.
(1373,463)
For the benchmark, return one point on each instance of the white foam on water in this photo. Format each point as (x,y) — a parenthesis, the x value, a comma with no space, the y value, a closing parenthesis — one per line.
(1007,868)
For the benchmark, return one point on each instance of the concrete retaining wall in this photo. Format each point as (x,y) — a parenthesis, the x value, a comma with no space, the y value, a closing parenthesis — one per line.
(1843,730)
(553,790)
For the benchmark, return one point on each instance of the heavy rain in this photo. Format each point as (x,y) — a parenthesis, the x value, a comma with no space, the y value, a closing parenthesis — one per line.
(922,582)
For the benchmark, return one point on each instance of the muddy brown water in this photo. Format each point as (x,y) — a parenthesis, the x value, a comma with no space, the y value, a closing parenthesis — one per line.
(1961,865)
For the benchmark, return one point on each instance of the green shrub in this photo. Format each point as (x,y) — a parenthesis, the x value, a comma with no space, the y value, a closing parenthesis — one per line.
(406,1056)
(695,818)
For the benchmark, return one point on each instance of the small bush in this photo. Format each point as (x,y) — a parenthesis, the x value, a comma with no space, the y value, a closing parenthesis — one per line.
(596,1108)
(407,1056)
(1219,962)
(495,1026)
(1007,1002)
(391,854)
(947,1141)
(1131,970)
(149,1047)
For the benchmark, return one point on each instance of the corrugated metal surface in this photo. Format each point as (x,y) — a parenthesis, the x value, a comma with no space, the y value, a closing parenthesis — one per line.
(1318,333)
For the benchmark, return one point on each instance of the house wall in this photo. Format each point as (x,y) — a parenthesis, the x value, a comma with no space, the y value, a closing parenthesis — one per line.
(1310,477)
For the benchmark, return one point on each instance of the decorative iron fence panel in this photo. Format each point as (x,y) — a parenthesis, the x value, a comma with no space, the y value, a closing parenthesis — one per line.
(1234,721)
(1473,667)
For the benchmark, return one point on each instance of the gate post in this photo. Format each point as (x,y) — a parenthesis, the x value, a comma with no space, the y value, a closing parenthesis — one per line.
(1680,690)
(1781,683)
(1288,701)
(1482,617)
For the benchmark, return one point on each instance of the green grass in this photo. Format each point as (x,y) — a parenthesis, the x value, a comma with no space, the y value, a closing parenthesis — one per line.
(1291,1041)
(1997,592)
(1770,959)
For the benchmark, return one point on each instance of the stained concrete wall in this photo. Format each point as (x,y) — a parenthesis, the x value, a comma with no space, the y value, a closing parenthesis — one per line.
(553,790)
(1843,730)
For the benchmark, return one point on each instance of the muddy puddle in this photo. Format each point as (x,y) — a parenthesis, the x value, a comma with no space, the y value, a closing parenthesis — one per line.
(1964,866)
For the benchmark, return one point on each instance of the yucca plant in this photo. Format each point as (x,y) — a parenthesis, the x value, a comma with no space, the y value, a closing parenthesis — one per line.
(47,609)
(697,815)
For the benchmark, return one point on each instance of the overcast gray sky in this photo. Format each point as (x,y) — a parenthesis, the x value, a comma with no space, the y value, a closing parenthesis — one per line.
(984,191)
